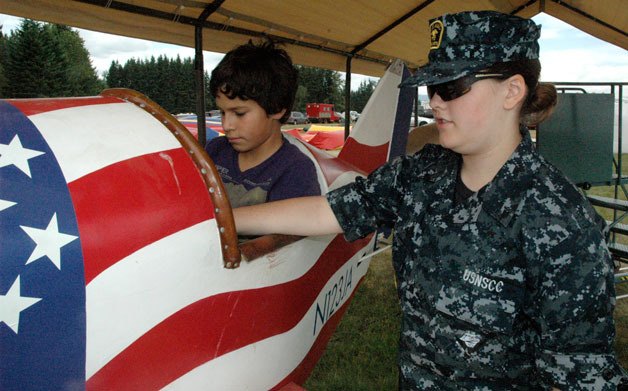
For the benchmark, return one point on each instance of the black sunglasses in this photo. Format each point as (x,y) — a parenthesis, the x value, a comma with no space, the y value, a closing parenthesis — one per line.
(456,88)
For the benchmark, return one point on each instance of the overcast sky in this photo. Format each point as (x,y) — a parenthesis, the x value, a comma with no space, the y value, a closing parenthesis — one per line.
(567,54)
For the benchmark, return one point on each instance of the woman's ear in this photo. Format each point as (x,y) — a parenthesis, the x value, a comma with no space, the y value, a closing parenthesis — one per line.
(516,91)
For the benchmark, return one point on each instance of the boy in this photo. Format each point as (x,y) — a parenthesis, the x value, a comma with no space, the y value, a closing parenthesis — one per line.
(254,87)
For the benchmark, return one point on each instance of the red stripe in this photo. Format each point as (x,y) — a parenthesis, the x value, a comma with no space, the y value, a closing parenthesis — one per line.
(328,140)
(38,106)
(363,156)
(305,368)
(128,205)
(331,166)
(219,324)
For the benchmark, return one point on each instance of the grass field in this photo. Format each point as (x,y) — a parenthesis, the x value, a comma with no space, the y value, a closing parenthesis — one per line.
(362,353)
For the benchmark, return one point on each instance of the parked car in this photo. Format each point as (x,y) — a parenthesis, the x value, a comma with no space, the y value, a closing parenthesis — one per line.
(296,118)
(353,115)
(425,112)
(213,113)
(422,121)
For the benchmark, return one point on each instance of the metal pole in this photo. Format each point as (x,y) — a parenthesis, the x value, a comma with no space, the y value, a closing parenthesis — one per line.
(620,91)
(348,97)
(416,106)
(199,71)
(199,76)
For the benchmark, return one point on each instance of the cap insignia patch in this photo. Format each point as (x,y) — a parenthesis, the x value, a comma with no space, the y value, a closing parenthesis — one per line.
(436,33)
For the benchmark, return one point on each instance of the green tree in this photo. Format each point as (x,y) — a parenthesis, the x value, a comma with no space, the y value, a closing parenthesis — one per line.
(45,60)
(82,78)
(168,82)
(115,76)
(300,99)
(321,85)
(27,66)
(362,95)
(3,59)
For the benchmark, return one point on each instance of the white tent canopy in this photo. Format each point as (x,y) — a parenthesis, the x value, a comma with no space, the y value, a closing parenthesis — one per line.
(320,33)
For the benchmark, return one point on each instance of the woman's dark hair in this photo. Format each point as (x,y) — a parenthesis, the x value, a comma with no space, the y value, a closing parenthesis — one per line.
(261,72)
(542,97)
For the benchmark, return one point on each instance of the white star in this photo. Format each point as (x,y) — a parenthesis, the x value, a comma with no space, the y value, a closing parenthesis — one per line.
(12,304)
(14,154)
(49,242)
(4,204)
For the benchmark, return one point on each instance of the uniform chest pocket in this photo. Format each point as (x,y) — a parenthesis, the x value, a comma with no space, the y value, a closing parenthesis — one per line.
(486,301)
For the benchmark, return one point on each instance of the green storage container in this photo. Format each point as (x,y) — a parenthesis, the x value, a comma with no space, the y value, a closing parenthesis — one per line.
(578,137)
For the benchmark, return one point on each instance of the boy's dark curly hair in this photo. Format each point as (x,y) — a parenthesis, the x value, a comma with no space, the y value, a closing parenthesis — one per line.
(261,72)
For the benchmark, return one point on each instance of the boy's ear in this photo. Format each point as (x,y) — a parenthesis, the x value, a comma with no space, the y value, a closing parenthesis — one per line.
(278,115)
(515,91)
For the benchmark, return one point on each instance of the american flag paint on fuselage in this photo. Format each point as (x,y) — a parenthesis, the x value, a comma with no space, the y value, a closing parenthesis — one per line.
(150,302)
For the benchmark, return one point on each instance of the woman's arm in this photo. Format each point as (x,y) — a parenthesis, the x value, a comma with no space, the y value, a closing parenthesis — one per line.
(304,216)
(572,273)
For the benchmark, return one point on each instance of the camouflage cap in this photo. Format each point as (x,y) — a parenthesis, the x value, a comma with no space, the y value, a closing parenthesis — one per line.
(466,42)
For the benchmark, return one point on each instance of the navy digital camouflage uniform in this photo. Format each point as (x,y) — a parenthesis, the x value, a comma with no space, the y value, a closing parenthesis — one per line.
(510,289)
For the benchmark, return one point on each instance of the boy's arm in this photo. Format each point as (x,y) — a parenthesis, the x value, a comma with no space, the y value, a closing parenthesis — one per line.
(304,216)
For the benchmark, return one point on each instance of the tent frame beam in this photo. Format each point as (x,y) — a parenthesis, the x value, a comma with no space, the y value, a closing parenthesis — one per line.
(199,71)
(362,46)
(138,10)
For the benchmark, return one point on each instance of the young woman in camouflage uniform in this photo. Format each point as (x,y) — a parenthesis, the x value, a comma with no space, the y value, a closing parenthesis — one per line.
(505,280)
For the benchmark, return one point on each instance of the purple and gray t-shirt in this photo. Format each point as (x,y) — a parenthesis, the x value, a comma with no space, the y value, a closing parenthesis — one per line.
(288,173)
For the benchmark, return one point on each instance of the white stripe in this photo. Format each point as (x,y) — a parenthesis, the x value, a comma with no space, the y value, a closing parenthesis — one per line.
(262,365)
(343,179)
(87,138)
(140,291)
(377,120)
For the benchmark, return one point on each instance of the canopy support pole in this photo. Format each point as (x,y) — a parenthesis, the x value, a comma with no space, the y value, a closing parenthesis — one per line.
(199,71)
(361,47)
(348,97)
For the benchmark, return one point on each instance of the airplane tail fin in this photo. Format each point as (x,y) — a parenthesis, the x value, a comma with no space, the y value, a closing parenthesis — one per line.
(381,133)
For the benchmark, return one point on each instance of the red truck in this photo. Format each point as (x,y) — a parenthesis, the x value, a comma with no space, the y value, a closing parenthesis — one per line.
(321,112)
